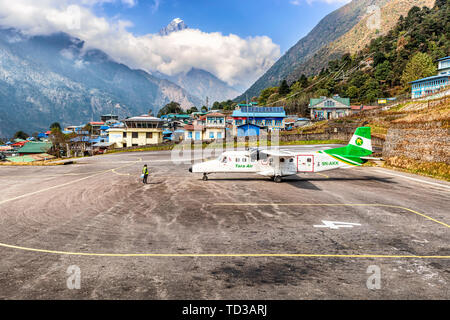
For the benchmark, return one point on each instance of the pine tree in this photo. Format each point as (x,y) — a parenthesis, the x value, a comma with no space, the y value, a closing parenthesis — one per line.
(284,88)
(420,66)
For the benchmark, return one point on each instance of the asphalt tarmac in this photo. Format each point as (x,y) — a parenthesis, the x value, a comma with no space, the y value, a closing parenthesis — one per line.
(361,233)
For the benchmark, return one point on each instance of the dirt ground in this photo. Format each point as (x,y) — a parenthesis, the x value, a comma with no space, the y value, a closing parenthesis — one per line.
(98,216)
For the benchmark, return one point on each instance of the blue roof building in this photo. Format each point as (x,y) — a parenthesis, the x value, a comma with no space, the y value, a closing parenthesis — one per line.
(270,117)
(248,130)
(426,86)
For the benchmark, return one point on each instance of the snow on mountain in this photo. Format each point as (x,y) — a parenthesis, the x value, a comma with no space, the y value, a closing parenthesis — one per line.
(176,25)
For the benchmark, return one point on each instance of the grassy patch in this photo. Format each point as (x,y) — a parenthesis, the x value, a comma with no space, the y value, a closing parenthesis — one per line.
(439,170)
(150,148)
(34,163)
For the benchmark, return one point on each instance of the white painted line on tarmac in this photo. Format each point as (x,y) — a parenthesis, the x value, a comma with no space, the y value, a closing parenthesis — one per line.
(64,184)
(336,224)
(413,179)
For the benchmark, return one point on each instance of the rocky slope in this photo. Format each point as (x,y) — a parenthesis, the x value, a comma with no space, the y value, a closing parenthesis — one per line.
(358,37)
(202,84)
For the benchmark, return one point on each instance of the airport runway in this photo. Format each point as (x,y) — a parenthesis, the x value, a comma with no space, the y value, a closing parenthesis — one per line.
(232,237)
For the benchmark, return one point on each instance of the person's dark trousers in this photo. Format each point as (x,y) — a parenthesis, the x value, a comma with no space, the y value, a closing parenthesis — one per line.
(145,179)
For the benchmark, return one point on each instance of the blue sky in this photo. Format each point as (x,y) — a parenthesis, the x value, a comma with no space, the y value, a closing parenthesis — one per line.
(284,21)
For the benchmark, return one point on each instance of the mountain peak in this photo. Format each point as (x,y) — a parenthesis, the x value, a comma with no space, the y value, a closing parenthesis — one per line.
(176,25)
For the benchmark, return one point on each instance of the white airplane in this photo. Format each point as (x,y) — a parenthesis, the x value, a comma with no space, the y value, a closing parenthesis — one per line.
(280,163)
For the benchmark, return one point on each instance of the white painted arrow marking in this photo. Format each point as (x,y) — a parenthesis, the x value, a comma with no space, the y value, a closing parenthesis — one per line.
(336,224)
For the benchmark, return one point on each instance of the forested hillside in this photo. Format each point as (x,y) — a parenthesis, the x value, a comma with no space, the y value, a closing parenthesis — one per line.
(382,69)
(330,28)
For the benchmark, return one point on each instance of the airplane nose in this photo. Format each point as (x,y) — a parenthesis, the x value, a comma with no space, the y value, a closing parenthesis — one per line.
(190,169)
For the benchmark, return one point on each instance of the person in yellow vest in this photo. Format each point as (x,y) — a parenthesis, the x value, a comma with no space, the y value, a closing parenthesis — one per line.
(145,174)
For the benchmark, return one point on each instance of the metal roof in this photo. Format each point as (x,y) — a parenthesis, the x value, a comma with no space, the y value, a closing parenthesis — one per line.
(446,58)
(143,118)
(272,112)
(103,144)
(35,147)
(316,101)
(431,78)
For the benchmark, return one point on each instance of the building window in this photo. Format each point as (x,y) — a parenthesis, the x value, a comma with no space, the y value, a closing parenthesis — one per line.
(134,135)
(219,135)
(190,135)
(211,135)
(329,103)
(149,135)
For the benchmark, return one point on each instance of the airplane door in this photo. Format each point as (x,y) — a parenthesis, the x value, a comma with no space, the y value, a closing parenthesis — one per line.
(305,163)
(288,166)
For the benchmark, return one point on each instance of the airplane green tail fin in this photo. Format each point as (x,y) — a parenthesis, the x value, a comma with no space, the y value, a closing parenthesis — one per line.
(360,146)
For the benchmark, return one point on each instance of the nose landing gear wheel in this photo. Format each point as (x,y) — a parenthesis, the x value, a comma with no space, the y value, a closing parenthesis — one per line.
(277,179)
(205,177)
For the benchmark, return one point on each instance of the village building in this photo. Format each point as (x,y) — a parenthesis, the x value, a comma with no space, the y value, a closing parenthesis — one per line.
(426,86)
(137,131)
(250,130)
(270,118)
(211,126)
(215,125)
(109,117)
(325,108)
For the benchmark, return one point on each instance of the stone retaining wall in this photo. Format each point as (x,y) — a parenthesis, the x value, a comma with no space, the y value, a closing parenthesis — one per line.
(425,142)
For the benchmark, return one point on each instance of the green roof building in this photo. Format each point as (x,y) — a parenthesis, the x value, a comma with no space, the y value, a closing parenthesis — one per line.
(329,108)
(35,147)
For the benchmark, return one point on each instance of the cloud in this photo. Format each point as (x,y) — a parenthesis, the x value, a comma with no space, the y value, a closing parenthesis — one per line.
(235,60)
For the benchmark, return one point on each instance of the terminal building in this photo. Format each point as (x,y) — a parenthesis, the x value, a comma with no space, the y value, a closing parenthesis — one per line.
(248,119)
(426,86)
(137,131)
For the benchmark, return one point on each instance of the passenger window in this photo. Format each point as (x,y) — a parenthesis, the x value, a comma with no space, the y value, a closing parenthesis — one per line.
(282,160)
(309,160)
(244,160)
(224,160)
(238,160)
(291,160)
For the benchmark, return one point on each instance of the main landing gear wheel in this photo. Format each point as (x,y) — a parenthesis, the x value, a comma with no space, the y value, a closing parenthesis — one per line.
(277,179)
(205,177)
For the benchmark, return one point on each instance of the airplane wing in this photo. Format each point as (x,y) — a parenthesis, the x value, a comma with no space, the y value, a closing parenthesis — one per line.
(278,153)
